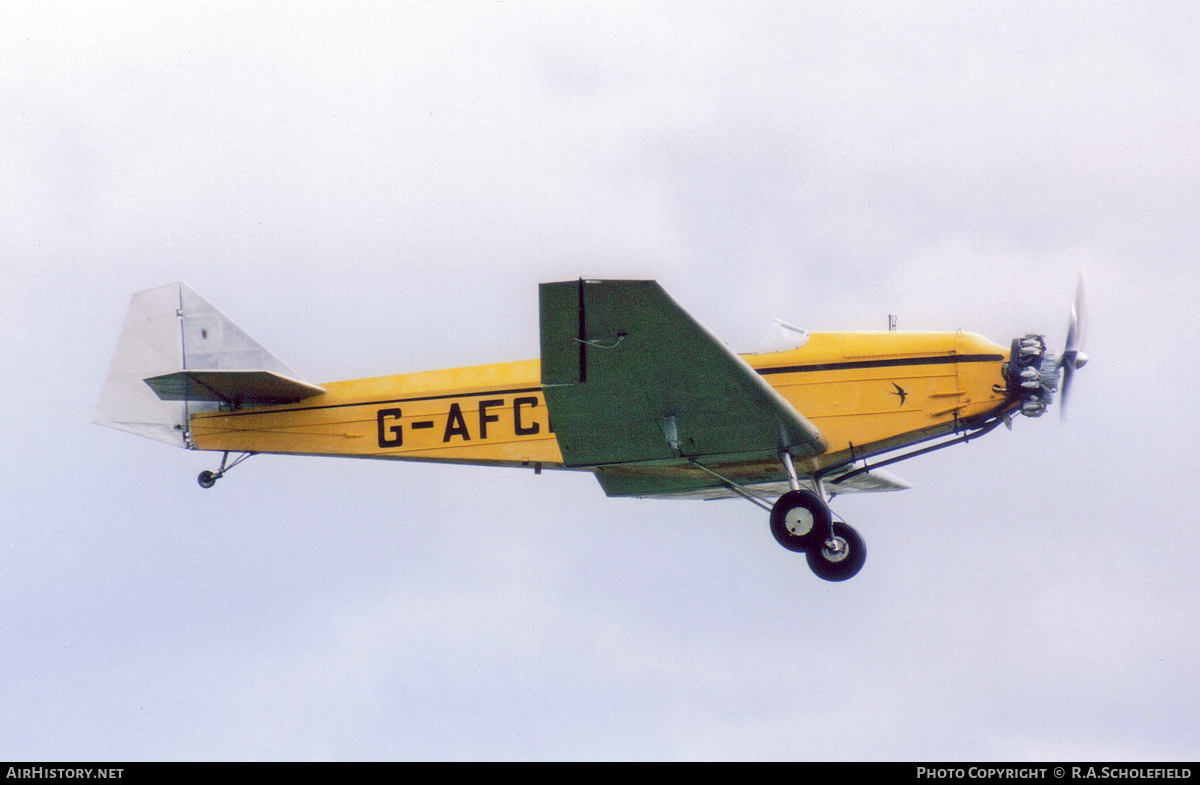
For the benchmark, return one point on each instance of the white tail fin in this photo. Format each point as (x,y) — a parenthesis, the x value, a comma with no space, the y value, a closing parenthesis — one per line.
(168,332)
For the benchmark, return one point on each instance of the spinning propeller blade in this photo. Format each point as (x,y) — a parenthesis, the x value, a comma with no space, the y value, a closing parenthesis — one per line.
(1073,357)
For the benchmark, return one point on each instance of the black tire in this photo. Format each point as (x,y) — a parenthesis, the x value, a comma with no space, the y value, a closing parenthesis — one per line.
(207,479)
(789,513)
(845,564)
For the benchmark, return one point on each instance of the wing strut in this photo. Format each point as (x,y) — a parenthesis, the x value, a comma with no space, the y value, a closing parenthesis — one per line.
(740,490)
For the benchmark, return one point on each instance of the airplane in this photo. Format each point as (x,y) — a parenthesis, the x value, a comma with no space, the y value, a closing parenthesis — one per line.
(629,387)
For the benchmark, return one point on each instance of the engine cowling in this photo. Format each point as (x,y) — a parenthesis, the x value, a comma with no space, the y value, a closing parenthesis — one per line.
(1032,372)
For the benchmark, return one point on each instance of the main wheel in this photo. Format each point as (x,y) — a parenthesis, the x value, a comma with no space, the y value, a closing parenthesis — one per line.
(207,479)
(844,562)
(798,519)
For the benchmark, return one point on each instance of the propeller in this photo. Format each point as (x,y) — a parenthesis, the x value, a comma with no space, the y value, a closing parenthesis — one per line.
(1073,357)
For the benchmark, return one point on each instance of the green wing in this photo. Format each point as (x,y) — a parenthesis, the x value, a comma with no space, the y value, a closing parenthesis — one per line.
(631,378)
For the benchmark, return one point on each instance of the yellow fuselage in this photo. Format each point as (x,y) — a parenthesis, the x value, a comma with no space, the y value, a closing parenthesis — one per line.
(863,391)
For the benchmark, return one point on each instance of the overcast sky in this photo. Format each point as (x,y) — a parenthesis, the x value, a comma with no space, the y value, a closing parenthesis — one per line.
(372,188)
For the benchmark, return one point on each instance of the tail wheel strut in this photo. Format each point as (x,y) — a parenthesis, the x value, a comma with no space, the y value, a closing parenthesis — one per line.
(208,479)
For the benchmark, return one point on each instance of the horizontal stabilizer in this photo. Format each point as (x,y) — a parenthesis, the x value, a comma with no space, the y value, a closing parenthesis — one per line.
(236,388)
(178,356)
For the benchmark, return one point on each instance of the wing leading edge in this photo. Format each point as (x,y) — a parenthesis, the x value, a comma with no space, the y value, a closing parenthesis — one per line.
(630,378)
(875,481)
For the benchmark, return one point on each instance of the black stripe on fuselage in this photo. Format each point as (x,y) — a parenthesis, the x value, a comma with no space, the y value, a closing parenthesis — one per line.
(891,362)
(380,403)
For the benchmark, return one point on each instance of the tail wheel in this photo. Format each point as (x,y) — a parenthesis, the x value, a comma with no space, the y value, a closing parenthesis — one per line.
(800,520)
(840,563)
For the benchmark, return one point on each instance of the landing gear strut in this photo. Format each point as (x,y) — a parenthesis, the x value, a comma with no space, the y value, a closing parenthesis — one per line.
(801,521)
(208,479)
